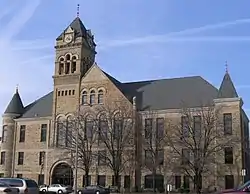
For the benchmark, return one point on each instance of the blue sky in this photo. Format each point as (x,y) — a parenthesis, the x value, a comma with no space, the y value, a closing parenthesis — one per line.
(136,40)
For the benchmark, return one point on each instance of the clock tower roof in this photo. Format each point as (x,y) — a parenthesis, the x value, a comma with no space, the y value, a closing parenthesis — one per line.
(78,27)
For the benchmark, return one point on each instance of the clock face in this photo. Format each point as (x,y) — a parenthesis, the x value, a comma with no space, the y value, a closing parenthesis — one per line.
(68,38)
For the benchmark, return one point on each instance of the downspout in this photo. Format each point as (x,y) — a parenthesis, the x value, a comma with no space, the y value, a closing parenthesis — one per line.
(14,150)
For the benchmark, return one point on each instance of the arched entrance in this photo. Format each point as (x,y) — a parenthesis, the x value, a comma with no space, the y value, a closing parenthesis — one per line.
(62,174)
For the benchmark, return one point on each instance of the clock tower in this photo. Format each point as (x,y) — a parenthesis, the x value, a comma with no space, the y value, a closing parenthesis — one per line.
(75,54)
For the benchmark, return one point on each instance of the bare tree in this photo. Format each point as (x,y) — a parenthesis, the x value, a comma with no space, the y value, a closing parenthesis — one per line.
(198,139)
(84,127)
(153,142)
(116,136)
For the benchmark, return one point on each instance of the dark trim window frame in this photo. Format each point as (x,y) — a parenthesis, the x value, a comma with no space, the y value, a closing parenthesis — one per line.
(185,127)
(228,123)
(229,156)
(148,125)
(3,156)
(22,133)
(44,128)
(4,133)
(20,158)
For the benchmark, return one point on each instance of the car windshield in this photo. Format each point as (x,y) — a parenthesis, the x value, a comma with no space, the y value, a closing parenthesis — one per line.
(31,184)
(244,185)
(63,185)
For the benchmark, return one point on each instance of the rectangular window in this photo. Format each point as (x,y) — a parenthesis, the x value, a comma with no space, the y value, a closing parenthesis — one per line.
(186,182)
(4,133)
(177,182)
(229,181)
(22,133)
(19,176)
(40,180)
(2,158)
(127,181)
(41,158)
(1,175)
(101,180)
(103,130)
(20,158)
(227,117)
(184,127)
(44,132)
(228,155)
(185,156)
(159,128)
(197,127)
(101,158)
(148,128)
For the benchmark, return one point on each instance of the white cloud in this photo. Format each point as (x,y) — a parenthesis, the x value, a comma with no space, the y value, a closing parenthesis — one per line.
(18,66)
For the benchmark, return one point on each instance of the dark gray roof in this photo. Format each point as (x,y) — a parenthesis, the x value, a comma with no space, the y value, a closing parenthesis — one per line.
(39,108)
(155,95)
(15,106)
(78,27)
(171,93)
(227,89)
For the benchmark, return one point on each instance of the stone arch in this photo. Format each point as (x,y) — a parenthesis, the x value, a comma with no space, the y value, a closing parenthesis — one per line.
(75,56)
(61,173)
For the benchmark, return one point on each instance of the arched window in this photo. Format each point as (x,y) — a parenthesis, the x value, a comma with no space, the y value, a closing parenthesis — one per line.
(69,131)
(100,97)
(68,57)
(117,126)
(61,68)
(92,97)
(84,98)
(89,128)
(67,67)
(103,128)
(60,135)
(73,66)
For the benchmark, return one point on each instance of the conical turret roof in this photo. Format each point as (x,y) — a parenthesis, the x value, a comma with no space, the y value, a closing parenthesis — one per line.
(15,106)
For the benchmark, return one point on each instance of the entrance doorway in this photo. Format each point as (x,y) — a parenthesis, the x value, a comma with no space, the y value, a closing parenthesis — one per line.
(63,174)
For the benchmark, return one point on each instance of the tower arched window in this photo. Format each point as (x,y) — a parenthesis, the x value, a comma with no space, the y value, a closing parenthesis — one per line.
(92,97)
(68,57)
(60,135)
(67,67)
(61,66)
(73,66)
(84,98)
(69,131)
(100,97)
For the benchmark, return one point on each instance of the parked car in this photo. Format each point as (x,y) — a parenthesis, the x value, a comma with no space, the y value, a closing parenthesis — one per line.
(245,188)
(58,188)
(94,189)
(25,186)
(7,189)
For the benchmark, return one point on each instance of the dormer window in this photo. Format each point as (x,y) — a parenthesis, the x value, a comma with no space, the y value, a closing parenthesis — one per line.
(92,97)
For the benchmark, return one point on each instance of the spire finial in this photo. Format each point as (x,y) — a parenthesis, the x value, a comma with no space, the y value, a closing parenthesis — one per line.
(17,88)
(226,67)
(78,9)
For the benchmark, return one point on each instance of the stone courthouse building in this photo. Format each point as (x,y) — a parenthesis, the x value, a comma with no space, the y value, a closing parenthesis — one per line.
(29,130)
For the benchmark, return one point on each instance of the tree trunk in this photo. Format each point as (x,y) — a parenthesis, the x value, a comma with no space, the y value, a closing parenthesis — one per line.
(86,177)
(198,182)
(116,180)
(154,186)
